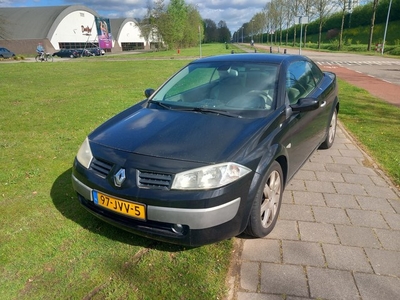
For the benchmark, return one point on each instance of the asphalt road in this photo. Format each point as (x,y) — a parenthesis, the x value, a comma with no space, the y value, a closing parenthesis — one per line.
(379,66)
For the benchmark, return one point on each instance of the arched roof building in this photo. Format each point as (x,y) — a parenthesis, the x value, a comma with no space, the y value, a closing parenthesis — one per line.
(56,27)
(126,33)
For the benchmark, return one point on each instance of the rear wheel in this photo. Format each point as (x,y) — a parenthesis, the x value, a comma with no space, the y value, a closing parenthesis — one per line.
(331,132)
(266,205)
(37,57)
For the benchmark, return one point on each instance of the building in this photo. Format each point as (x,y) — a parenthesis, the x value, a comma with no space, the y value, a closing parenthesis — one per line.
(64,27)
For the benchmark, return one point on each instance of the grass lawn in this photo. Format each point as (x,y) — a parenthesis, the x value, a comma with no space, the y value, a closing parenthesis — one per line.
(375,124)
(50,247)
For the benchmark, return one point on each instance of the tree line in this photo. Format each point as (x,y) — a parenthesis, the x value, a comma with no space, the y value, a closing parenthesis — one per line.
(279,19)
(179,25)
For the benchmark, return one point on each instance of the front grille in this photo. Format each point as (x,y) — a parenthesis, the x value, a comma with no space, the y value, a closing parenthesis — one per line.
(154,180)
(101,167)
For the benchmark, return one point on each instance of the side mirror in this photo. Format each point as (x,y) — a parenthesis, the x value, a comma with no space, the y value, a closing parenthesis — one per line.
(148,92)
(305,104)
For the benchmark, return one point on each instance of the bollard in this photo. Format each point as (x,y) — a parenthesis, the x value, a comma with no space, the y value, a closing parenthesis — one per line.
(284,51)
(270,49)
(255,50)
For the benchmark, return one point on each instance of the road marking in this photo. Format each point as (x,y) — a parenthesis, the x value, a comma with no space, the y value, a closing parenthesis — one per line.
(359,63)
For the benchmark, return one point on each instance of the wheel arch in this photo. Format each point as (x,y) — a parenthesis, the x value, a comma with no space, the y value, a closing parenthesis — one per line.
(282,161)
(337,104)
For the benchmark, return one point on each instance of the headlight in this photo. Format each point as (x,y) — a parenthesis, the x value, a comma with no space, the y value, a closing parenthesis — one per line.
(84,155)
(209,177)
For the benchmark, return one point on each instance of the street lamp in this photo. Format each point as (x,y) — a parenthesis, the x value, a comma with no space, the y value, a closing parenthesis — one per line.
(387,21)
(252,39)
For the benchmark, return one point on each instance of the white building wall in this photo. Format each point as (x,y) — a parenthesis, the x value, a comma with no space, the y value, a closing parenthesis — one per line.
(130,33)
(78,26)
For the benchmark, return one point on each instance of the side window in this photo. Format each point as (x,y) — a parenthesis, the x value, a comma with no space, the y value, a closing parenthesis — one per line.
(300,80)
(317,73)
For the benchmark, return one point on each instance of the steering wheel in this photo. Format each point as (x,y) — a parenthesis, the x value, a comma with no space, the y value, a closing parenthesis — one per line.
(267,97)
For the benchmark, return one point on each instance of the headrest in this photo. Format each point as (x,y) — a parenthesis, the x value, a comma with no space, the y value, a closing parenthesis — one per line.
(228,73)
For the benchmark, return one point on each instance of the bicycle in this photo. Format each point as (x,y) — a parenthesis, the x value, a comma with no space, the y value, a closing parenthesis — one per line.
(44,57)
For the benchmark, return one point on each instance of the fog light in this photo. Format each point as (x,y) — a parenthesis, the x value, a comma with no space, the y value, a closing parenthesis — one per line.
(177,228)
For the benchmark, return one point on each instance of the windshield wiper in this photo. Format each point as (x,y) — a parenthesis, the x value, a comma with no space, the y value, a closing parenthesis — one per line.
(207,110)
(160,104)
(216,111)
(196,109)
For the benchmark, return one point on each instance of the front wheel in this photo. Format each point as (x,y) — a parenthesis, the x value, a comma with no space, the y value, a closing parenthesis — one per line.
(267,202)
(49,58)
(330,133)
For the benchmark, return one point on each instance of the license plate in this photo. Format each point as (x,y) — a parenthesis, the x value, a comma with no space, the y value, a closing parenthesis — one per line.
(123,207)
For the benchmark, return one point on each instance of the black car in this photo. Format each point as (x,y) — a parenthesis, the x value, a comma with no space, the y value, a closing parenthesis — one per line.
(208,154)
(71,53)
(5,53)
(96,51)
(84,52)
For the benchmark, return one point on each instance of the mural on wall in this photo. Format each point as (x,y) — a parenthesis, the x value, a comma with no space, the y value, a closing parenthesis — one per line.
(86,30)
(104,32)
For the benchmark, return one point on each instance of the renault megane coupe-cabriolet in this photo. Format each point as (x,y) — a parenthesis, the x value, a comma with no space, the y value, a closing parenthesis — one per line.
(208,154)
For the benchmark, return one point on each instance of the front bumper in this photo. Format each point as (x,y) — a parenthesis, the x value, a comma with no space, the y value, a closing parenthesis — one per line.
(185,226)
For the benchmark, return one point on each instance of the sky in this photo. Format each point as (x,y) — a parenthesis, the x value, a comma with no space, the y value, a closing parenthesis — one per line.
(233,12)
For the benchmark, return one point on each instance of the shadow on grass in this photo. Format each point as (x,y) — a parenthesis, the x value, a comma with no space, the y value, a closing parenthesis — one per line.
(66,202)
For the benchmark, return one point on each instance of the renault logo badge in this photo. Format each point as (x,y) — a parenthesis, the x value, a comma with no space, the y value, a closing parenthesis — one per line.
(119,177)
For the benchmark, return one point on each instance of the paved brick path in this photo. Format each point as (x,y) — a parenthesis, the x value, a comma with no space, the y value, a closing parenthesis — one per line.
(337,237)
(338,234)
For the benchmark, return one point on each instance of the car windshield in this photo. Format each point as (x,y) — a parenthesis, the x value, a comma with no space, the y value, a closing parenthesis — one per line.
(232,87)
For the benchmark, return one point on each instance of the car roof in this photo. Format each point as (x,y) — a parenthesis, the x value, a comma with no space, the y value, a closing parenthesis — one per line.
(252,57)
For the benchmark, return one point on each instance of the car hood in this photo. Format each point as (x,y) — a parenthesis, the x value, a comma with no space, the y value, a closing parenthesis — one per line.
(182,135)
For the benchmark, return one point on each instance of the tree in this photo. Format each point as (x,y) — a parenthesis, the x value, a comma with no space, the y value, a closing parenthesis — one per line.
(145,25)
(289,17)
(158,21)
(180,25)
(323,8)
(273,15)
(193,27)
(224,35)
(343,4)
(176,16)
(296,12)
(259,23)
(210,31)
(371,29)
(308,8)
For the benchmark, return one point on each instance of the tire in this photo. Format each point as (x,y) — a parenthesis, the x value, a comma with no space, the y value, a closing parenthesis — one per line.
(49,58)
(267,203)
(330,132)
(37,57)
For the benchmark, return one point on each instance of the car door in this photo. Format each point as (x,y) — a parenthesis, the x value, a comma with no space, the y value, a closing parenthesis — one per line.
(304,129)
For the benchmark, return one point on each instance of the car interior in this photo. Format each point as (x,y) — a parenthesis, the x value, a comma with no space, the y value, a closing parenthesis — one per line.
(251,89)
